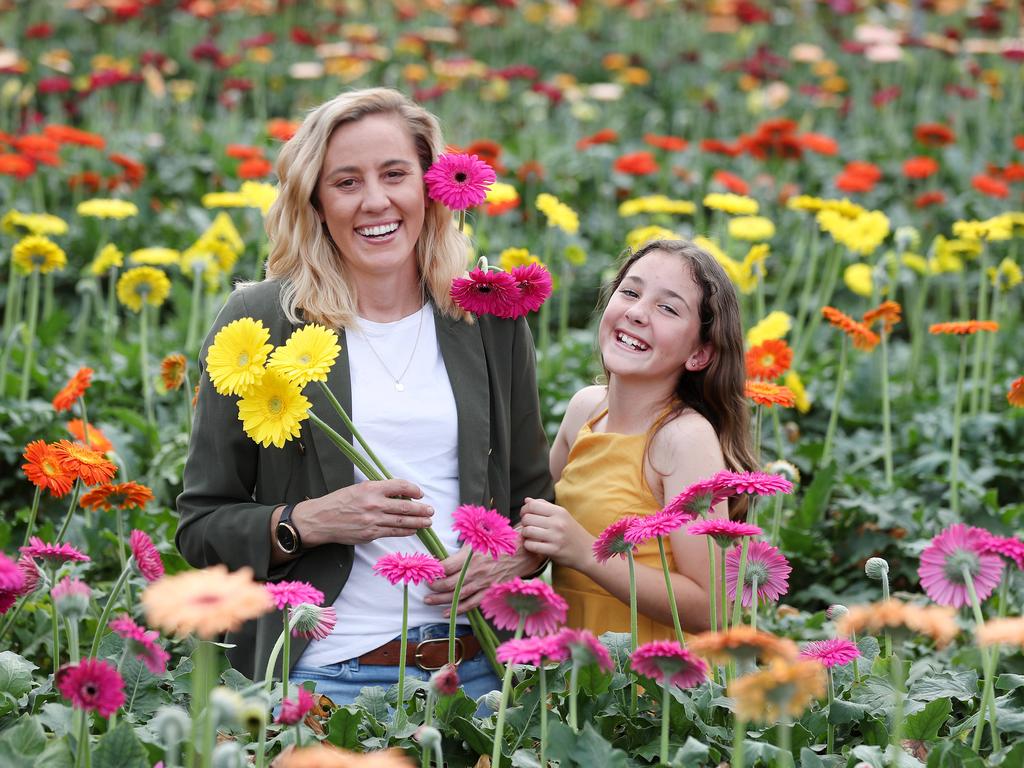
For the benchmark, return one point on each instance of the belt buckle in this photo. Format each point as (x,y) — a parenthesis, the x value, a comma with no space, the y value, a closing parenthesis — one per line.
(459,652)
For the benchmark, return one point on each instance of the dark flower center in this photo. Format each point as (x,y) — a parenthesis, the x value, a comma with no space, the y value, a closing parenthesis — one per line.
(461,177)
(90,690)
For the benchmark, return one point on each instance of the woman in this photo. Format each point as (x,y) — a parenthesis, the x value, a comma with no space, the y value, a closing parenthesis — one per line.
(356,245)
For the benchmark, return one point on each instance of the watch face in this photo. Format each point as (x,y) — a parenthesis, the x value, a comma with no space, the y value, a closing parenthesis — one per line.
(286,538)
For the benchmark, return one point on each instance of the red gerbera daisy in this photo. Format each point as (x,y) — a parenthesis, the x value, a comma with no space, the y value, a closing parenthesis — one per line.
(53,553)
(667,143)
(1015,396)
(293,712)
(292,593)
(141,643)
(766,564)
(532,650)
(934,134)
(636,164)
(769,359)
(73,390)
(959,549)
(92,684)
(834,652)
(670,664)
(84,462)
(990,186)
(487,292)
(612,541)
(535,286)
(920,167)
(724,532)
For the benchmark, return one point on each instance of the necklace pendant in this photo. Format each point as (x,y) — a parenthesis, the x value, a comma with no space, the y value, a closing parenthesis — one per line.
(399,386)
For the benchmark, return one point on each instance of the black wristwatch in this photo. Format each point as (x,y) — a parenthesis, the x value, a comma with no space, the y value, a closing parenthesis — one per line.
(287,535)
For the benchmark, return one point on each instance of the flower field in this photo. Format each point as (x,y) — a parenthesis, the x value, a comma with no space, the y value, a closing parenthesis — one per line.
(857,168)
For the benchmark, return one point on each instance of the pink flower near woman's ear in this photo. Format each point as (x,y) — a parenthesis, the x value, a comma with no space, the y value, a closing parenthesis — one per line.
(459,181)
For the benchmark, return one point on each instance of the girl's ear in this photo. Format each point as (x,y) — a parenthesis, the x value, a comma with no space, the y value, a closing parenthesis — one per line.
(701,357)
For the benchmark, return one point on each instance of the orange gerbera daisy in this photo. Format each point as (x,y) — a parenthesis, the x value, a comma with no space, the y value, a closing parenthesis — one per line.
(254,168)
(920,167)
(668,143)
(934,134)
(990,186)
(1002,632)
(603,136)
(889,312)
(785,689)
(636,164)
(743,644)
(282,129)
(243,151)
(44,470)
(85,463)
(926,199)
(769,359)
(963,327)
(172,371)
(731,182)
(65,134)
(766,393)
(936,621)
(863,337)
(73,390)
(97,440)
(1015,396)
(120,495)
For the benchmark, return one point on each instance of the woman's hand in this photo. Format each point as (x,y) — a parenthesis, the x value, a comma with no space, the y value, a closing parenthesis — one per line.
(483,573)
(550,530)
(360,513)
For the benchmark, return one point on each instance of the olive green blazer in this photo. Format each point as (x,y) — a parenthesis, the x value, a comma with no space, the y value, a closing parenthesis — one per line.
(232,485)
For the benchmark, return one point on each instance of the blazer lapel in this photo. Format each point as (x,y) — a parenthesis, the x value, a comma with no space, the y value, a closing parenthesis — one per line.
(462,349)
(336,467)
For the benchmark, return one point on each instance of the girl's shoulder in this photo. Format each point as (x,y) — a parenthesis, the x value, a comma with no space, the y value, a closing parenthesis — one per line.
(584,406)
(687,432)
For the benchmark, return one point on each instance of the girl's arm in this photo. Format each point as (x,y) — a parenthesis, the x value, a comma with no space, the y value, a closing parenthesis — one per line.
(582,406)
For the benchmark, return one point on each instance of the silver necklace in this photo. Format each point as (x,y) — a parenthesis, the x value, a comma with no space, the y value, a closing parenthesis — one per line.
(399,386)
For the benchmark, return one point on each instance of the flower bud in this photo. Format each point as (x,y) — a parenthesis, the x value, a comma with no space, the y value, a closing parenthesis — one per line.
(784,468)
(228,754)
(445,681)
(836,611)
(71,597)
(876,568)
(226,705)
(172,724)
(254,714)
(428,736)
(492,700)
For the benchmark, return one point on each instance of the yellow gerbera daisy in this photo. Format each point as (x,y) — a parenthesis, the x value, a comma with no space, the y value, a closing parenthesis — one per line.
(511,258)
(200,259)
(236,357)
(501,193)
(796,386)
(105,208)
(859,279)
(155,257)
(224,200)
(307,356)
(38,253)
(774,326)
(110,256)
(34,223)
(640,236)
(1006,276)
(143,284)
(259,194)
(223,228)
(558,213)
(751,228)
(730,203)
(655,204)
(273,410)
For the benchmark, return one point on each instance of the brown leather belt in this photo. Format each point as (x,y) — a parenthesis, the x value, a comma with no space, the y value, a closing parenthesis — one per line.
(427,654)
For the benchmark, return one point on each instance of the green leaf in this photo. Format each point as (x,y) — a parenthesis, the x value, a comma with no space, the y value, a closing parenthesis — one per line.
(592,749)
(953,754)
(525,758)
(816,497)
(375,702)
(592,680)
(1009,682)
(15,679)
(809,759)
(57,718)
(56,755)
(477,740)
(841,712)
(21,743)
(926,724)
(692,754)
(762,750)
(343,727)
(120,748)
(962,685)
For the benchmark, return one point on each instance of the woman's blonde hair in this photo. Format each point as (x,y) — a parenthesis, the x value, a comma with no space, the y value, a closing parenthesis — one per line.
(303,254)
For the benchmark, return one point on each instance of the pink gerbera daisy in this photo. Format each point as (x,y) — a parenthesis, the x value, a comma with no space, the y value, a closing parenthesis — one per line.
(834,652)
(409,568)
(958,548)
(485,530)
(142,643)
(92,684)
(532,650)
(293,712)
(702,495)
(292,593)
(534,601)
(147,558)
(766,564)
(313,621)
(759,483)
(54,554)
(28,567)
(12,578)
(724,532)
(669,663)
(487,292)
(661,523)
(459,181)
(1009,547)
(535,286)
(7,599)
(612,541)
(584,647)
(71,597)
(445,681)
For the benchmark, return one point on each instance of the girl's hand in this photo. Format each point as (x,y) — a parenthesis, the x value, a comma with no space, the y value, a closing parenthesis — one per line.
(550,530)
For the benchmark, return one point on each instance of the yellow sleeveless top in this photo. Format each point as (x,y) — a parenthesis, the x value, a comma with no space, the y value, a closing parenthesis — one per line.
(603,481)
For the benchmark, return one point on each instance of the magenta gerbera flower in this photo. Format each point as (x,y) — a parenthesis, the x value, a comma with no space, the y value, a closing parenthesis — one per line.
(661,523)
(313,621)
(487,292)
(535,286)
(459,181)
(724,532)
(147,558)
(293,712)
(445,681)
(291,593)
(54,554)
(535,601)
(485,530)
(12,578)
(532,650)
(584,647)
(957,548)
(1009,547)
(702,495)
(28,567)
(612,541)
(765,563)
(92,684)
(7,599)
(142,643)
(759,483)
(669,663)
(409,568)
(834,652)
(71,597)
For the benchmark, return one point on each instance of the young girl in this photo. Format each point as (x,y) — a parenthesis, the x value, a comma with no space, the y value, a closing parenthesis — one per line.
(673,412)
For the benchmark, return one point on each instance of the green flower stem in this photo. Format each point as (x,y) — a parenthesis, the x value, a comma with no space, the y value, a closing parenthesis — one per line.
(202,684)
(806,326)
(506,685)
(564,303)
(712,586)
(979,338)
(1004,588)
(193,311)
(671,592)
(12,616)
(830,737)
(5,355)
(739,732)
(780,449)
(542,673)
(462,220)
(11,302)
(896,677)
(885,598)
(886,411)
(347,448)
(987,692)
(29,337)
(403,645)
(917,330)
(82,753)
(71,511)
(753,600)
(634,637)
(455,606)
(74,652)
(777,519)
(54,626)
(544,340)
(32,516)
(785,735)
(275,652)
(990,353)
(147,394)
(833,420)
(666,699)
(856,666)
(723,592)
(757,432)
(110,319)
(954,451)
(108,607)
(741,575)
(286,661)
(351,427)
(428,720)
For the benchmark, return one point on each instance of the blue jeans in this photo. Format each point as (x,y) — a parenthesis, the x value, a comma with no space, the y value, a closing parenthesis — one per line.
(343,680)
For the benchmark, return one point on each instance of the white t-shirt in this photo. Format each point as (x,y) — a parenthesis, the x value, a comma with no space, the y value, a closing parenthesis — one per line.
(414,433)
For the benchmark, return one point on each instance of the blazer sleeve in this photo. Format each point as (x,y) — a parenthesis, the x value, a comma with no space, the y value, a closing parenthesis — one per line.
(529,472)
(219,521)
